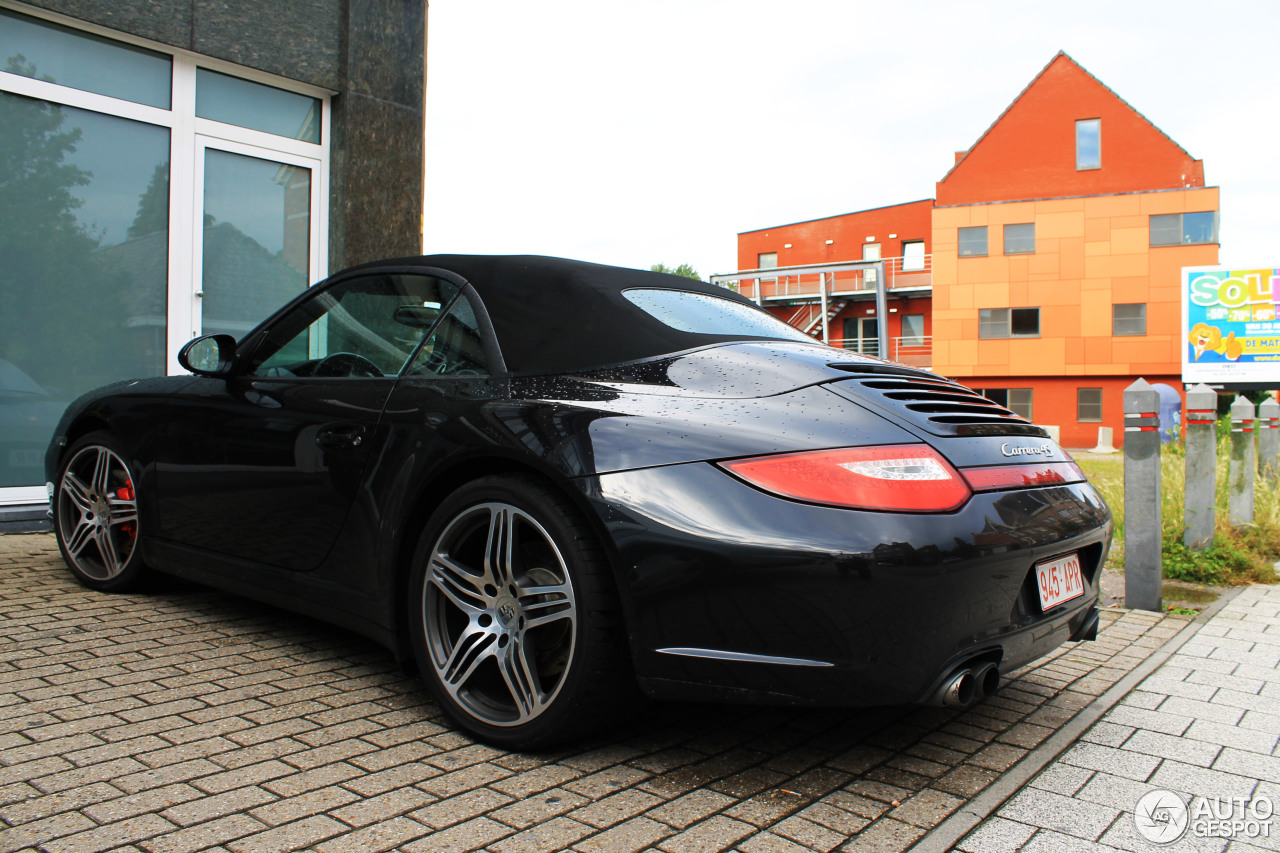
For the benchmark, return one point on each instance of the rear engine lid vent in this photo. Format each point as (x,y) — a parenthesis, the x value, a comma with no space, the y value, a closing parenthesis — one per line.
(936,405)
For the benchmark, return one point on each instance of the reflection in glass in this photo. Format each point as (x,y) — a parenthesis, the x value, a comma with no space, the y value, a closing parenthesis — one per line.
(45,51)
(1089,143)
(240,102)
(456,347)
(710,315)
(362,327)
(84,199)
(257,231)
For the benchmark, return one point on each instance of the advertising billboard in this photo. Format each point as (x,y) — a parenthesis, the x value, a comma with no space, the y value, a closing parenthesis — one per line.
(1231,333)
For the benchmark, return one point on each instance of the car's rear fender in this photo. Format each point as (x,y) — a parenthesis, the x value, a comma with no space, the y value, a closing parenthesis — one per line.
(871,604)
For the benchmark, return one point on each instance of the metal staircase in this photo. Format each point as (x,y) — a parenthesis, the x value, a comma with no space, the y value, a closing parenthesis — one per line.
(834,307)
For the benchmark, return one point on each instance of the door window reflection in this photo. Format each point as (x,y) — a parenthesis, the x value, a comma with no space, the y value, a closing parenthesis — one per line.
(365,327)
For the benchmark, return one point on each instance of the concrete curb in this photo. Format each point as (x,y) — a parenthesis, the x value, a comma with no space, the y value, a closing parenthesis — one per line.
(947,834)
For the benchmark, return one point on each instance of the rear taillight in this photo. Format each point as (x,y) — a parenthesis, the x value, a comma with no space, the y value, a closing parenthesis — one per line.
(899,478)
(1023,476)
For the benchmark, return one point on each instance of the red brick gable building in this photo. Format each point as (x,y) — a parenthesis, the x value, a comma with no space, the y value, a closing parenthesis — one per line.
(1054,258)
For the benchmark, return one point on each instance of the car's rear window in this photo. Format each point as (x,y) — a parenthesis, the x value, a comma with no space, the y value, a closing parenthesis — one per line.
(702,314)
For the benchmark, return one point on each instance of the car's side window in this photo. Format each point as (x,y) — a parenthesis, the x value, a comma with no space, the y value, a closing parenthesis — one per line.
(366,326)
(456,347)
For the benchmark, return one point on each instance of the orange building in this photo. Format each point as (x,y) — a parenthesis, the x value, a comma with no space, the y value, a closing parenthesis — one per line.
(899,237)
(1055,251)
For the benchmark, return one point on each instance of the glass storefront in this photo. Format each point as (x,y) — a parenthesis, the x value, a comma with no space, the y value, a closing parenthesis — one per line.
(83,283)
(127,226)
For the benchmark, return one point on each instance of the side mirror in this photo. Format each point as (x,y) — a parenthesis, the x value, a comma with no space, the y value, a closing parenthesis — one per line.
(209,355)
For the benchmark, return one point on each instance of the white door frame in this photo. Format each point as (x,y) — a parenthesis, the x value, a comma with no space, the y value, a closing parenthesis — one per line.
(186,291)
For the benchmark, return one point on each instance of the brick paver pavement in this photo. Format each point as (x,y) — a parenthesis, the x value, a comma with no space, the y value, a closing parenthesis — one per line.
(1205,724)
(186,719)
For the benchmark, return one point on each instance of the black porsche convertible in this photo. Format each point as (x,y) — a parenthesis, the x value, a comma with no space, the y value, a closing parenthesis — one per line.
(551,482)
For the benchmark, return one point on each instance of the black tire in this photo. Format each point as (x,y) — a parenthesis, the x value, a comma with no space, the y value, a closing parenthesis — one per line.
(95,514)
(527,649)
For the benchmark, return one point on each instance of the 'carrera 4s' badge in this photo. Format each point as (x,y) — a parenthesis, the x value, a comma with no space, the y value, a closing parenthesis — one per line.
(1024,450)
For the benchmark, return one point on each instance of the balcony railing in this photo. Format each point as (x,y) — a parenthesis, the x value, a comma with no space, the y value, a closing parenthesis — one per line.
(840,279)
(912,350)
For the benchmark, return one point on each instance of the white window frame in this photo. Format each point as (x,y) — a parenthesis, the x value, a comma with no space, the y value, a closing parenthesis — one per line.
(190,297)
(912,260)
(189,137)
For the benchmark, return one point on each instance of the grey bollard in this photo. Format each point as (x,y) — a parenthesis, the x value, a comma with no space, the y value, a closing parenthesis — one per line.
(1244,463)
(1269,439)
(1142,545)
(1201,511)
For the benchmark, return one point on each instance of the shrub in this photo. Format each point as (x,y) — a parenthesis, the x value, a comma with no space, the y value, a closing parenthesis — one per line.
(1239,555)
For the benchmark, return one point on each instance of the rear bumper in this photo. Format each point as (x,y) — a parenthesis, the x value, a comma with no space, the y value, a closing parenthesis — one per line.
(733,594)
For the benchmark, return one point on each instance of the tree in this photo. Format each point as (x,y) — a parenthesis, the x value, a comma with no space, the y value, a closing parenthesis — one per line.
(684,270)
(44,247)
(55,302)
(153,205)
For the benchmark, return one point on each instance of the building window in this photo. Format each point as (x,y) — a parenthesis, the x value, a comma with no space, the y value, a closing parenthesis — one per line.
(1184,229)
(44,51)
(912,255)
(870,252)
(913,330)
(1089,405)
(1129,319)
(146,200)
(767,261)
(1009,323)
(222,97)
(1016,400)
(973,241)
(862,334)
(1020,239)
(1089,144)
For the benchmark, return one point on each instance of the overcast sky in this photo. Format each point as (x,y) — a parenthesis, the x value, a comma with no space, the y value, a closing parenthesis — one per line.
(635,133)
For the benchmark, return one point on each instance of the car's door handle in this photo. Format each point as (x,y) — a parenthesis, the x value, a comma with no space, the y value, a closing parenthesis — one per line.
(341,437)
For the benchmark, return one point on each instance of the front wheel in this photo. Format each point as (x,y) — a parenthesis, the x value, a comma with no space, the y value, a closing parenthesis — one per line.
(514,615)
(95,514)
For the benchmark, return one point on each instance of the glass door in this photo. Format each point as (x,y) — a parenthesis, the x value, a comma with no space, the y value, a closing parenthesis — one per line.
(255,242)
(861,334)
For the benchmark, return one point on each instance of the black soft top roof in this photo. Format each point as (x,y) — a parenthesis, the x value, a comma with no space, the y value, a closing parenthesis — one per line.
(552,315)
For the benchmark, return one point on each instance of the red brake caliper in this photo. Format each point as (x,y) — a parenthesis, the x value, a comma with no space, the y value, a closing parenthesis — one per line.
(125,493)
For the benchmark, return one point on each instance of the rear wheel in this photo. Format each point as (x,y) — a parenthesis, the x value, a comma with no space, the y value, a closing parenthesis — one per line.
(95,514)
(515,617)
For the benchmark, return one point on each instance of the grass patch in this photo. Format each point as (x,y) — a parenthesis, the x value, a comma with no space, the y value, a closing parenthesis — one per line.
(1238,556)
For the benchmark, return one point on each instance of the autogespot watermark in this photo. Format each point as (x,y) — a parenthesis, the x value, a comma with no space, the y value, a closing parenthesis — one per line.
(1162,817)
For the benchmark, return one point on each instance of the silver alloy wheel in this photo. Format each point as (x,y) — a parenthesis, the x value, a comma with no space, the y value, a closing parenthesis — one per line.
(97,513)
(499,614)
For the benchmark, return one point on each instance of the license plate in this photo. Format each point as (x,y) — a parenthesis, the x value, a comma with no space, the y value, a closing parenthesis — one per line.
(1059,580)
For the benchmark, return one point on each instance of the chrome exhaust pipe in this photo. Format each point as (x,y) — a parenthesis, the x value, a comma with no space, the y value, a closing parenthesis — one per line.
(987,680)
(958,691)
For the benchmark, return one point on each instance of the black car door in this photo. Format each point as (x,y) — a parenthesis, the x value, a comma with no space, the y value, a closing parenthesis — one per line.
(264,465)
